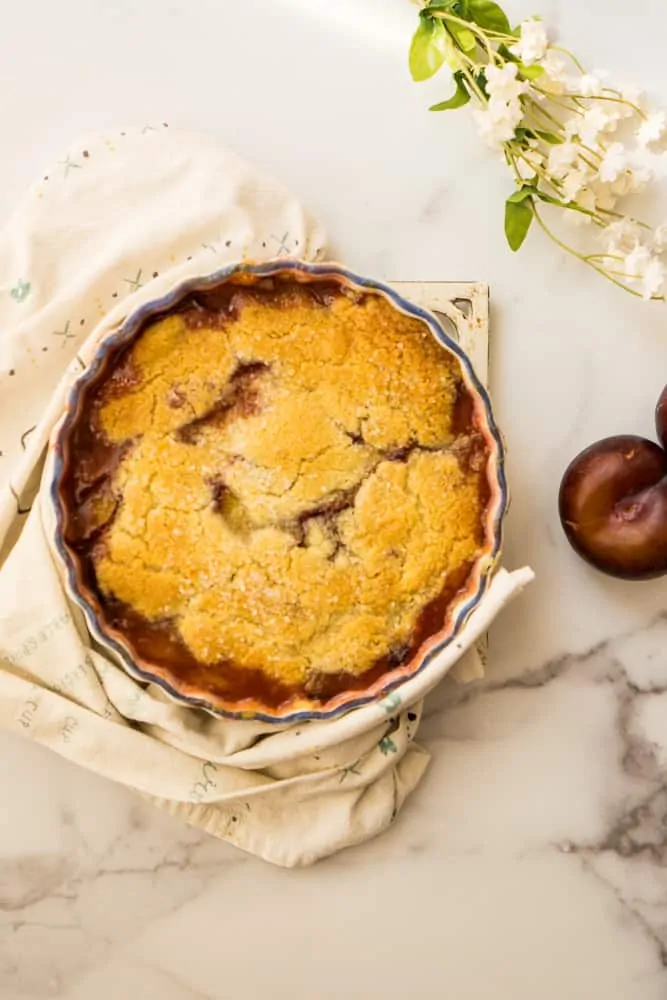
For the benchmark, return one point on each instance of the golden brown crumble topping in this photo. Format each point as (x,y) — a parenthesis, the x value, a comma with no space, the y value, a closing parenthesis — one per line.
(272,486)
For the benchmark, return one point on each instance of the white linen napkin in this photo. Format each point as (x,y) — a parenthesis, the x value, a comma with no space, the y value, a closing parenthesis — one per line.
(121,219)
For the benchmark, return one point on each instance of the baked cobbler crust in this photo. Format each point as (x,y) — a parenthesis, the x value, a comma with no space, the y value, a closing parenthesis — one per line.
(278,488)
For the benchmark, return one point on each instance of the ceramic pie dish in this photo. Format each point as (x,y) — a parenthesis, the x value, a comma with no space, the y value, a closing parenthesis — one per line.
(278,491)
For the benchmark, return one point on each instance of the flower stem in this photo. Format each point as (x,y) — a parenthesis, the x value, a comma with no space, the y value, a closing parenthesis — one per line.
(471,26)
(535,106)
(588,163)
(570,250)
(537,117)
(570,55)
(472,83)
(560,104)
(589,149)
(619,215)
(611,100)
(602,256)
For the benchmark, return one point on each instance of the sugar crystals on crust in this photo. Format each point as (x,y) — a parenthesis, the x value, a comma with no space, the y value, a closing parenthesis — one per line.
(283,480)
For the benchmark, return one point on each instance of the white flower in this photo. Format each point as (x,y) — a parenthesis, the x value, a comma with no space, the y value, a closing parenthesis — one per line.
(489,130)
(502,84)
(652,129)
(644,161)
(586,200)
(525,169)
(605,195)
(571,127)
(638,178)
(554,66)
(632,95)
(646,271)
(528,163)
(659,166)
(637,172)
(555,75)
(593,121)
(637,261)
(561,158)
(621,237)
(497,121)
(590,84)
(660,238)
(615,113)
(509,112)
(653,283)
(573,183)
(614,162)
(532,44)
(621,186)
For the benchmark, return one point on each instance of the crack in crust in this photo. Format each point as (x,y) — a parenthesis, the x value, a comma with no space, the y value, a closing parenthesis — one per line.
(283,488)
(240,398)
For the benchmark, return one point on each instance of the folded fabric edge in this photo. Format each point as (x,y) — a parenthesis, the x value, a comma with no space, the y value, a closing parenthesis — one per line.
(221,821)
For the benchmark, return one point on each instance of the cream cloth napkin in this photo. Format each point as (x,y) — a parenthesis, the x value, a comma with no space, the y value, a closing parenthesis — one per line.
(119,220)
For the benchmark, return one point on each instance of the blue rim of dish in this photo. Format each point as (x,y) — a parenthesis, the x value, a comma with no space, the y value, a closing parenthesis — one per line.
(124,334)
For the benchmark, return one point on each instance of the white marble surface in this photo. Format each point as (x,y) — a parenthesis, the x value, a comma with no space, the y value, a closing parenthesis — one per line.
(532,862)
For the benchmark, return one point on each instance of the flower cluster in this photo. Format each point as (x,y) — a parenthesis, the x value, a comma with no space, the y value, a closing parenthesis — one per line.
(572,142)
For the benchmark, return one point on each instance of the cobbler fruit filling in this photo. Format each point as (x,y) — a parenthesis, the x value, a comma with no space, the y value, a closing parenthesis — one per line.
(277,489)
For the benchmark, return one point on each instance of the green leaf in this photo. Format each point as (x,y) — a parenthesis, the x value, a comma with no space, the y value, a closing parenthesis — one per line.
(551,201)
(530,72)
(488,15)
(557,201)
(549,137)
(480,80)
(442,4)
(457,7)
(518,217)
(459,98)
(463,37)
(525,192)
(428,48)
(506,54)
(452,54)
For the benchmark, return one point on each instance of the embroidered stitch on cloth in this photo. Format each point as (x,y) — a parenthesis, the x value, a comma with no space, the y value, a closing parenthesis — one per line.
(118,221)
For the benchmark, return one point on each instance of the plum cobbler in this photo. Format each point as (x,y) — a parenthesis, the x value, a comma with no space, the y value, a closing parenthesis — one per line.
(277,488)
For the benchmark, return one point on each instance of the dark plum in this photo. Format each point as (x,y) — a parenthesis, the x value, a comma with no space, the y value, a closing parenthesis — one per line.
(661,418)
(613,504)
